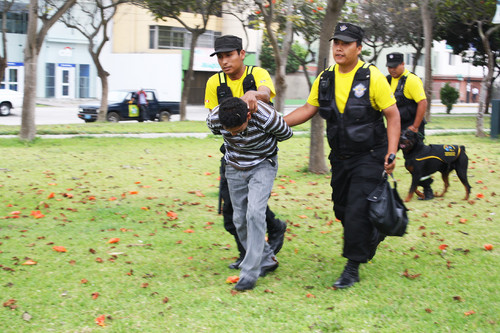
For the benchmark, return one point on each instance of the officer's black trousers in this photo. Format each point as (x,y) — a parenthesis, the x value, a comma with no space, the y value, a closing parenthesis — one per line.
(352,180)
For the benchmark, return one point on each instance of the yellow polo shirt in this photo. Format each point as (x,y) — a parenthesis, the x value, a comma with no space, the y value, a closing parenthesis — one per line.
(261,76)
(414,88)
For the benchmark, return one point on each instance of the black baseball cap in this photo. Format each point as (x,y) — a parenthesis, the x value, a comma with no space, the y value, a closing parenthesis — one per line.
(227,43)
(394,59)
(348,32)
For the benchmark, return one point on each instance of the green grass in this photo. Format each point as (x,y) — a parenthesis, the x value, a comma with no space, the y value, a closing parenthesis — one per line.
(158,278)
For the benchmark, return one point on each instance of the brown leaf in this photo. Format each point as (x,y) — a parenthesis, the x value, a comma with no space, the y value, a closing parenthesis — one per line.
(410,276)
(11,303)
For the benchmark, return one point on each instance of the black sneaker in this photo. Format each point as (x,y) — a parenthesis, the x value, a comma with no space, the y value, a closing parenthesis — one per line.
(277,236)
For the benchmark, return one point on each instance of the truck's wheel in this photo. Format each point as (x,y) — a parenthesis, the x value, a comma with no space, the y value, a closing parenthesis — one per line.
(113,117)
(4,109)
(164,116)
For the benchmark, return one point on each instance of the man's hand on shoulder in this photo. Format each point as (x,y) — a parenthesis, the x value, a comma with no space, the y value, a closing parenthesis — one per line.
(250,98)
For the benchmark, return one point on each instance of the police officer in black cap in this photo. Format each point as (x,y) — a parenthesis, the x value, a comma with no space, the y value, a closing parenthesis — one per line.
(412,103)
(353,97)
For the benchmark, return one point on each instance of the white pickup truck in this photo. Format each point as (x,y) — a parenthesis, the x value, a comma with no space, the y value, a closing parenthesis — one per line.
(10,99)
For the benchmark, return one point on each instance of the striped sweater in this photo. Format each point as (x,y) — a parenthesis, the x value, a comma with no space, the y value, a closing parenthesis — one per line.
(257,142)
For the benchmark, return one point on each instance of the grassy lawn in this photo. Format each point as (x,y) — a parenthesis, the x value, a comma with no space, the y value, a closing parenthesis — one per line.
(168,271)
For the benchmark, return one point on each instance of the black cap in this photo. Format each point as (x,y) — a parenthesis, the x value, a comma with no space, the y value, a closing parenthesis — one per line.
(348,32)
(394,59)
(227,43)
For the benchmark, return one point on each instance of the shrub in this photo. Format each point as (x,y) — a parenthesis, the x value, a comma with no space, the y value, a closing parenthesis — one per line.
(449,96)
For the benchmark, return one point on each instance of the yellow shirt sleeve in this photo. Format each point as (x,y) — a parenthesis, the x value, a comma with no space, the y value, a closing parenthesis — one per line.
(261,77)
(414,88)
(211,100)
(381,96)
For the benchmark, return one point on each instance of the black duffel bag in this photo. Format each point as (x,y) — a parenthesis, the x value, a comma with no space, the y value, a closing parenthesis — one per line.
(387,211)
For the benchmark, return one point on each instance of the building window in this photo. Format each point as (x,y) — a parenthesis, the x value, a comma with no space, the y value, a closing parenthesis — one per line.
(410,59)
(84,81)
(162,37)
(13,79)
(50,80)
(17,23)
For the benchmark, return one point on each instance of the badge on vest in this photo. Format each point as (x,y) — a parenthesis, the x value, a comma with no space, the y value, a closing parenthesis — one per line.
(450,150)
(359,90)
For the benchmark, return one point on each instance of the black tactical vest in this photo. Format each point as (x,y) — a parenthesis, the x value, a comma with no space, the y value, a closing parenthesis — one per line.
(360,128)
(223,90)
(407,107)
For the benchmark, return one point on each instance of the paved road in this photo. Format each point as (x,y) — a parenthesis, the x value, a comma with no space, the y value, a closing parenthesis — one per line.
(64,112)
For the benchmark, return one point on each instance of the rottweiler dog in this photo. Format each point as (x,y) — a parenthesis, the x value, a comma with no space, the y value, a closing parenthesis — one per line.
(422,160)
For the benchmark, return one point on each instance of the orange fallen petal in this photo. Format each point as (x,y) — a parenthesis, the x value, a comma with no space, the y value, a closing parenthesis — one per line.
(443,246)
(488,247)
(133,192)
(59,249)
(189,231)
(480,195)
(468,313)
(30,262)
(232,279)
(100,320)
(113,240)
(51,195)
(112,199)
(310,296)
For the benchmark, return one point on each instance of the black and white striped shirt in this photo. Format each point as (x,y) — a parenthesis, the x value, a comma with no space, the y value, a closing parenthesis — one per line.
(257,142)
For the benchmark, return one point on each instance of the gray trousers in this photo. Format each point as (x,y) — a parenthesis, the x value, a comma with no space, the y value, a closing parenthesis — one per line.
(250,191)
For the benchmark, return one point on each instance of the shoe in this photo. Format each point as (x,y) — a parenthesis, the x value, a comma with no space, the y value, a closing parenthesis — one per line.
(428,193)
(277,236)
(245,284)
(269,268)
(348,277)
(236,264)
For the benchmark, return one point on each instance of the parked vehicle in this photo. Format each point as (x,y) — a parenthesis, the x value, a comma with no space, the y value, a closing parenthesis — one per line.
(10,99)
(120,107)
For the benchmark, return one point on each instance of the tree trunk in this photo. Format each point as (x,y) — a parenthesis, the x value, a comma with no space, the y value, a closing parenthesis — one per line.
(486,83)
(427,24)
(317,161)
(34,41)
(189,75)
(28,128)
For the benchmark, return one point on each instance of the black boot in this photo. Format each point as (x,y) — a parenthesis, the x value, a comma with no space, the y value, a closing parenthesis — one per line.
(428,193)
(241,249)
(349,276)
